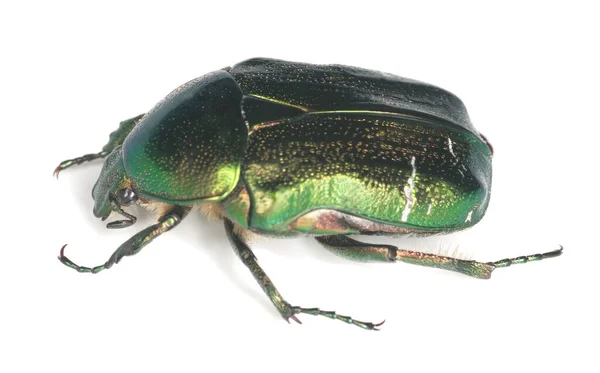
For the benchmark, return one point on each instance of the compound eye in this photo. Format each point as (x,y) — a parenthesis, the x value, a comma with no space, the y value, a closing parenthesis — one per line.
(125,196)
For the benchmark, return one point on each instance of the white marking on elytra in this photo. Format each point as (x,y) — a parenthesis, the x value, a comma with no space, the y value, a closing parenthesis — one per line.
(461,169)
(429,209)
(408,192)
(468,219)
(450,147)
(244,113)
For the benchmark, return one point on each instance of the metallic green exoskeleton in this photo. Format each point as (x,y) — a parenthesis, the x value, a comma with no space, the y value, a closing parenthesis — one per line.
(277,148)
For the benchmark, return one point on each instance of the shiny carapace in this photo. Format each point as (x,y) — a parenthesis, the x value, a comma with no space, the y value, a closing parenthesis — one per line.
(277,148)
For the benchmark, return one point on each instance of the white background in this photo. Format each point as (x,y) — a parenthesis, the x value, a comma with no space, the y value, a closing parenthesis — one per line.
(528,75)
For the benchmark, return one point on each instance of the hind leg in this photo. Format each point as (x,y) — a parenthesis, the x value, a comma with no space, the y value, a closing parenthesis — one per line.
(356,250)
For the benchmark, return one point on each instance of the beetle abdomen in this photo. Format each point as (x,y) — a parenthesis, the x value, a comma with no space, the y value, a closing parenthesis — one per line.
(396,169)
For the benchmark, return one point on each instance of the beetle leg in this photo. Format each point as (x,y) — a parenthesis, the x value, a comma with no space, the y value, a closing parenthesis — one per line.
(356,250)
(116,138)
(526,258)
(285,309)
(133,245)
(79,160)
(353,249)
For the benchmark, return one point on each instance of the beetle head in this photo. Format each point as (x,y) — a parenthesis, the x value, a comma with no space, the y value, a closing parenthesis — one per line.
(113,190)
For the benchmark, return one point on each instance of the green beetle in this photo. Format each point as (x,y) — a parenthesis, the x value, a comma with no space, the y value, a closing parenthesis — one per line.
(277,148)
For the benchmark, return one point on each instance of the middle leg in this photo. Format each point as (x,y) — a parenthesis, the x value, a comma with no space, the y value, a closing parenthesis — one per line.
(285,309)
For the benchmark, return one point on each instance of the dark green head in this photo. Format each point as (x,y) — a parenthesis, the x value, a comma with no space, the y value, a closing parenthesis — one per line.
(113,191)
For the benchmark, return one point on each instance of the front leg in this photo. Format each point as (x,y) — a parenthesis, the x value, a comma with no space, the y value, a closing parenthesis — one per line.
(285,309)
(133,245)
(115,139)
